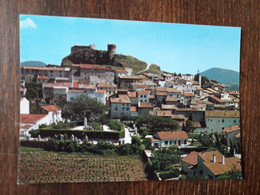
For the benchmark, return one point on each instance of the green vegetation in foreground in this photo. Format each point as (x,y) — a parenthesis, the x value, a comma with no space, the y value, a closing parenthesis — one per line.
(56,167)
(23,148)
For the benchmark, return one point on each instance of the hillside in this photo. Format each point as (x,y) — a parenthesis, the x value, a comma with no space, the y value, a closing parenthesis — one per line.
(33,63)
(93,56)
(222,75)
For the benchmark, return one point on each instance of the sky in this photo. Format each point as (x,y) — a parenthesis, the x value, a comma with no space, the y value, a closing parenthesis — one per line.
(180,48)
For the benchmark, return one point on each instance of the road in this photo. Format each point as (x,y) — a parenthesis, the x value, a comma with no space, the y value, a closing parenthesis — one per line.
(147,67)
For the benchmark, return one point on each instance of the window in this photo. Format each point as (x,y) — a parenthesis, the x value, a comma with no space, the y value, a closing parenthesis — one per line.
(235,121)
(115,108)
(201,172)
(223,120)
(141,96)
(144,96)
(170,142)
(185,141)
(166,142)
(127,109)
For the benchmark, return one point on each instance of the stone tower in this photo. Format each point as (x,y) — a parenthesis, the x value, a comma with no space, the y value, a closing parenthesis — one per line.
(111,49)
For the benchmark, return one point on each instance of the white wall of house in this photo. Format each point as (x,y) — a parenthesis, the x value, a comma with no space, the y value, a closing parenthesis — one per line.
(24,106)
(171,142)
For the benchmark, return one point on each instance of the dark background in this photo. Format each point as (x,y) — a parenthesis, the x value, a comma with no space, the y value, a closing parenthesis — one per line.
(241,13)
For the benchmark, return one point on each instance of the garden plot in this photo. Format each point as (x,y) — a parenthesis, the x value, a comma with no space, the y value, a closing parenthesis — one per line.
(53,167)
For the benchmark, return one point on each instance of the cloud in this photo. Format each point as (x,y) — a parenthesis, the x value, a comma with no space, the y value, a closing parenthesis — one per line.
(27,23)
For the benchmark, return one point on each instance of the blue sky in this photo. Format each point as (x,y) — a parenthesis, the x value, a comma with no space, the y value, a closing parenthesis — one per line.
(177,48)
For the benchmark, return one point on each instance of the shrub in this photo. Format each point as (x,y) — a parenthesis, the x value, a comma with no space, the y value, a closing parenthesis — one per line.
(115,125)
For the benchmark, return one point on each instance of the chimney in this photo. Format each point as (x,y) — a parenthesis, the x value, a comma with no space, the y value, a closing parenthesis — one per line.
(214,158)
(223,159)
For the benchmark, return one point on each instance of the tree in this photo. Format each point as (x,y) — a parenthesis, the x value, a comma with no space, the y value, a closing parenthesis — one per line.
(189,127)
(115,124)
(156,123)
(164,159)
(76,108)
(204,80)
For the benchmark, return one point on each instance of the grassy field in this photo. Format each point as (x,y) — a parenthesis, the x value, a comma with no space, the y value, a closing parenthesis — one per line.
(53,167)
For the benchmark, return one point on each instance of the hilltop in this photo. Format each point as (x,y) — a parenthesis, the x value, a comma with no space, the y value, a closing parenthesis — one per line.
(33,63)
(90,55)
(224,76)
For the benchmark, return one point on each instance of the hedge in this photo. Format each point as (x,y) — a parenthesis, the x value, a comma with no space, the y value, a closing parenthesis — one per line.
(82,133)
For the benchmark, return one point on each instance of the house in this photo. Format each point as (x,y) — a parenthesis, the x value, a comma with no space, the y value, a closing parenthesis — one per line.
(24,106)
(169,138)
(133,97)
(144,107)
(208,164)
(232,135)
(33,121)
(55,111)
(42,79)
(93,74)
(29,73)
(111,89)
(143,95)
(189,164)
(119,106)
(218,119)
(213,164)
(125,82)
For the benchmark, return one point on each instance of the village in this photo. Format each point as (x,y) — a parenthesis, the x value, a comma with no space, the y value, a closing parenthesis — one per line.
(183,126)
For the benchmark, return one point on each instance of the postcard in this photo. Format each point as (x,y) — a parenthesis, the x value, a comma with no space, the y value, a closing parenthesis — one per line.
(106,100)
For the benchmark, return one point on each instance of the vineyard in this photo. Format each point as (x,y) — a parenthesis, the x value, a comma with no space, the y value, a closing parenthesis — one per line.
(53,167)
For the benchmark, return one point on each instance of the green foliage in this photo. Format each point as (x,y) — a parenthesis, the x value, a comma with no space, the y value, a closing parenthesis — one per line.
(164,159)
(155,69)
(34,91)
(155,123)
(130,62)
(204,80)
(76,107)
(125,149)
(147,143)
(115,124)
(96,126)
(189,127)
(34,133)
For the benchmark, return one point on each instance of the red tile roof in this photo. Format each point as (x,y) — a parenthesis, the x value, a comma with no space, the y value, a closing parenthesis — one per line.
(192,158)
(218,168)
(51,108)
(188,94)
(120,70)
(222,113)
(133,109)
(96,67)
(101,91)
(75,91)
(31,118)
(172,135)
(231,128)
(46,68)
(25,126)
(132,94)
(122,99)
(145,105)
(143,92)
(42,77)
(105,85)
